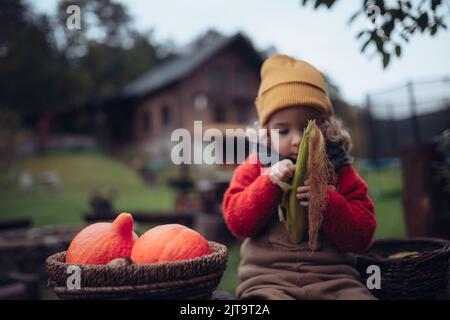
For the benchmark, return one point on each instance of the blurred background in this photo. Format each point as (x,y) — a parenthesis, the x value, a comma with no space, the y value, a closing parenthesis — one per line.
(90,94)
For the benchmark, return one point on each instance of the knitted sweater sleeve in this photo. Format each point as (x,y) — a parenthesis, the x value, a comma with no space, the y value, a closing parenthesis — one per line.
(250,200)
(349,220)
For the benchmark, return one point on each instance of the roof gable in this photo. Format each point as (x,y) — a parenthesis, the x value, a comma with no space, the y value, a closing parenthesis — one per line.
(182,66)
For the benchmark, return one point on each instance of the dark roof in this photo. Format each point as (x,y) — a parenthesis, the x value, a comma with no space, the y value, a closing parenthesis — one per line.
(183,65)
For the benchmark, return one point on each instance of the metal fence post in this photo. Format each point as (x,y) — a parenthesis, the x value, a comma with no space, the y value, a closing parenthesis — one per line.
(393,131)
(413,108)
(371,133)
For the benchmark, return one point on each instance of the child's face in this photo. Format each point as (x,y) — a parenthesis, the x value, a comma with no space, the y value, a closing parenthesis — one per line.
(291,123)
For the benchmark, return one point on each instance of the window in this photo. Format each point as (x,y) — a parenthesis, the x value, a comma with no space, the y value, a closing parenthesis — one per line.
(146,122)
(240,82)
(219,113)
(242,114)
(218,79)
(166,116)
(200,102)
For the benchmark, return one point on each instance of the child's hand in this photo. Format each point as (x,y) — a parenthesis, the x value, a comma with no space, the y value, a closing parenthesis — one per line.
(281,172)
(304,193)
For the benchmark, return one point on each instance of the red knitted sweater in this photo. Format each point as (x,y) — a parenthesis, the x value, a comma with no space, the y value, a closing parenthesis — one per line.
(348,222)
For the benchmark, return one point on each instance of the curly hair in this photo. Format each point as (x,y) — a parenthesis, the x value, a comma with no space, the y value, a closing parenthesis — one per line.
(334,130)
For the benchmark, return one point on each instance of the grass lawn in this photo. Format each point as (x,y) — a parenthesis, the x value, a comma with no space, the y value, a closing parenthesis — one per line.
(81,173)
(385,187)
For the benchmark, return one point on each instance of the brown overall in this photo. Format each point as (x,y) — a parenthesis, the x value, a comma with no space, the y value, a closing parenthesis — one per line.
(273,268)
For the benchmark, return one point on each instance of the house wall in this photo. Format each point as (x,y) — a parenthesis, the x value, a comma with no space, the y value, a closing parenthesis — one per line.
(237,101)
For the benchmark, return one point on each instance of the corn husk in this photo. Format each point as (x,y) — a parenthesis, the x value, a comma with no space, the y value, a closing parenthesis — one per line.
(311,163)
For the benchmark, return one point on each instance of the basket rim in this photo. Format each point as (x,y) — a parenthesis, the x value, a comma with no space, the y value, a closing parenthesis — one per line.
(444,249)
(220,250)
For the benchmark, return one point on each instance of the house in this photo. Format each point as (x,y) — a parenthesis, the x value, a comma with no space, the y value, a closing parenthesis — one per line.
(215,80)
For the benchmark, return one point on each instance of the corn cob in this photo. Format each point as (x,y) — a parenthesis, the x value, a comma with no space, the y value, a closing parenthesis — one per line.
(311,154)
(296,215)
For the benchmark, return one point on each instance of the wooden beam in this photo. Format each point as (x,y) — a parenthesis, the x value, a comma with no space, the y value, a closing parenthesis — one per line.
(19,223)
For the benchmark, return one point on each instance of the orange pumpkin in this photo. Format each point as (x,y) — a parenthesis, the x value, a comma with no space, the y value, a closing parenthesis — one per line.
(170,242)
(102,242)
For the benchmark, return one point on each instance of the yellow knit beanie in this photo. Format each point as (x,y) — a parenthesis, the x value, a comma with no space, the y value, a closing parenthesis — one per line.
(286,81)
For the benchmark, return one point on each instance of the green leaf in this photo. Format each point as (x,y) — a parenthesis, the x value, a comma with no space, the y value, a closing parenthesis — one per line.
(435,4)
(353,17)
(359,35)
(378,42)
(386,59)
(433,29)
(398,50)
(364,47)
(284,186)
(388,27)
(329,3)
(404,37)
(281,215)
(423,21)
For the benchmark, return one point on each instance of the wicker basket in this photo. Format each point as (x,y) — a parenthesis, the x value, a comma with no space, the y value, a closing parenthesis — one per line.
(188,279)
(424,275)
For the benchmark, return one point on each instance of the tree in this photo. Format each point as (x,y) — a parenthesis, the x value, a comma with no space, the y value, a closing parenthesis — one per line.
(107,53)
(395,22)
(108,19)
(29,61)
(45,66)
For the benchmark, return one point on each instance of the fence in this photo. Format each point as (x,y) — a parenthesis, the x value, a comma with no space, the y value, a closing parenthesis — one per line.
(410,114)
(407,122)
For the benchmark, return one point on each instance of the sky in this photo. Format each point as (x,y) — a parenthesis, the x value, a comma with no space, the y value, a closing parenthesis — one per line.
(321,37)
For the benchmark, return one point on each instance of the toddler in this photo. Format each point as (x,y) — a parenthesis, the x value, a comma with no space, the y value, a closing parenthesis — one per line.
(272,267)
